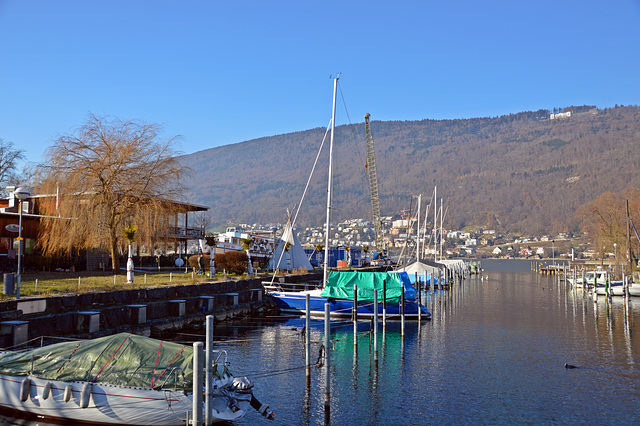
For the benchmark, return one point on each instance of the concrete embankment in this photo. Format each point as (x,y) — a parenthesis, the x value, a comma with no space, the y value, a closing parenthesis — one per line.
(138,310)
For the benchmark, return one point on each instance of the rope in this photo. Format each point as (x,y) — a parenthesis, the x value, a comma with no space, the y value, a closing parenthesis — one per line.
(168,365)
(109,360)
(155,365)
(65,361)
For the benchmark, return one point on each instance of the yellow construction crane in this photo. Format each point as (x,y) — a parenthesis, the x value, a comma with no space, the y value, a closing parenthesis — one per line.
(373,185)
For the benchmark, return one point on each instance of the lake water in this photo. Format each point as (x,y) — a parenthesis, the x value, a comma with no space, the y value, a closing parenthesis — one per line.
(494,352)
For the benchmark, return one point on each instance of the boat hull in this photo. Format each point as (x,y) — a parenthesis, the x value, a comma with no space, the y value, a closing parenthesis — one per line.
(295,302)
(104,404)
(617,289)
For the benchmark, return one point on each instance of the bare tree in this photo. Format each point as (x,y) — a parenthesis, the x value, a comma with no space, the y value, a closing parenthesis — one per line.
(9,156)
(106,176)
(605,221)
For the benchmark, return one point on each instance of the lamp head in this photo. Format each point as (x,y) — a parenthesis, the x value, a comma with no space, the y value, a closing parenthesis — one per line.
(21,193)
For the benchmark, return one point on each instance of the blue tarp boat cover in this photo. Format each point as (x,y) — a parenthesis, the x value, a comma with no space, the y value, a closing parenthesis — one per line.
(340,285)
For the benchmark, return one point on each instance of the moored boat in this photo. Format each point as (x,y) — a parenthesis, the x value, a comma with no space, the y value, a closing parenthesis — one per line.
(338,289)
(119,379)
(339,293)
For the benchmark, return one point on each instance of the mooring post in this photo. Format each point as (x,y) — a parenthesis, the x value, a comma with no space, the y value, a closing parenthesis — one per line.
(208,385)
(307,336)
(375,326)
(419,285)
(197,384)
(355,314)
(384,303)
(327,361)
(402,310)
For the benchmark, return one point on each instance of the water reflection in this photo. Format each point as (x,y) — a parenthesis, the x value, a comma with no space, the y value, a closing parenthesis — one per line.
(493,352)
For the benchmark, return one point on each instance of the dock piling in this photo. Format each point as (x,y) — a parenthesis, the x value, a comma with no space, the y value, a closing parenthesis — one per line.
(327,363)
(196,415)
(208,386)
(307,336)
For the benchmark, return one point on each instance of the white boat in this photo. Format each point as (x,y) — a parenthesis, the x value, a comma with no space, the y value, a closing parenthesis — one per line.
(615,287)
(600,277)
(121,379)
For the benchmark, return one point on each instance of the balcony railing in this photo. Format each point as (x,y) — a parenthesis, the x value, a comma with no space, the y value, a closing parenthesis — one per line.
(181,232)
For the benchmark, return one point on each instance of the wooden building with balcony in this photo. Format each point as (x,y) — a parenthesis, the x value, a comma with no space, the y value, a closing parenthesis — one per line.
(174,239)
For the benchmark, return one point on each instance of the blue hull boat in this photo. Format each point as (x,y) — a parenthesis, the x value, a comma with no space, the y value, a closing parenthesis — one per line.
(340,291)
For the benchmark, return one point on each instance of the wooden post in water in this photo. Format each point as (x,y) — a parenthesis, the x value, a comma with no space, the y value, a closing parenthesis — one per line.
(208,381)
(375,326)
(327,365)
(384,303)
(307,336)
(197,384)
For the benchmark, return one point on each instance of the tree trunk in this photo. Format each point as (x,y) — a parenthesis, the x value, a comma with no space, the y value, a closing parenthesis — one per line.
(115,258)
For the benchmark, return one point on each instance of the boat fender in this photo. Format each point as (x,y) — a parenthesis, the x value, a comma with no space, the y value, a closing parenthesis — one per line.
(241,384)
(262,408)
(67,393)
(46,391)
(25,389)
(85,395)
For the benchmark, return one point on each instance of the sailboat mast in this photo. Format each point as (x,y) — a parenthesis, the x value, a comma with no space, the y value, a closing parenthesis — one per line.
(441,218)
(418,233)
(630,253)
(435,224)
(330,183)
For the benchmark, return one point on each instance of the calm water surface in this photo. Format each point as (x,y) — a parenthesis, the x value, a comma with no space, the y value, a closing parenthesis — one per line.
(494,352)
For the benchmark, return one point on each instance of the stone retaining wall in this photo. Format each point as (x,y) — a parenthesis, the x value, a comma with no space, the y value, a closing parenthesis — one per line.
(136,310)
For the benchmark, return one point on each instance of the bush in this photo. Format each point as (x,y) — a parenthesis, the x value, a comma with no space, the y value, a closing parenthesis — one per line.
(193,261)
(234,262)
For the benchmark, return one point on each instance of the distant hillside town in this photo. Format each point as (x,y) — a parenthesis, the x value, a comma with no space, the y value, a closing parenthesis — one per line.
(400,239)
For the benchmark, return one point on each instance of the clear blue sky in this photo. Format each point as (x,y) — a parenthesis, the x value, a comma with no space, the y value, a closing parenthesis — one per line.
(218,72)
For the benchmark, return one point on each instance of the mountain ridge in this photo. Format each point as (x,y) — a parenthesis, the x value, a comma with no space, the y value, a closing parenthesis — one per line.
(520,172)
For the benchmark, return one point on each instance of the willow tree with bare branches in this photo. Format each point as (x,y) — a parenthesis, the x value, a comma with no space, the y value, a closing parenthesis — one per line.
(108,175)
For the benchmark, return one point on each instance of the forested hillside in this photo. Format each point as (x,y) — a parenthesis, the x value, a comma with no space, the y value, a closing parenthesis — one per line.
(521,172)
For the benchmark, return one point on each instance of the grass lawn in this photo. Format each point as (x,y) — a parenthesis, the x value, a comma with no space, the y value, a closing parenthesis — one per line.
(50,283)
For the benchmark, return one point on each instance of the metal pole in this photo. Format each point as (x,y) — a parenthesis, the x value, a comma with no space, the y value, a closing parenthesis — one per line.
(19,277)
(384,303)
(197,384)
(208,386)
(355,313)
(327,363)
(402,310)
(308,336)
(419,285)
(329,185)
(375,326)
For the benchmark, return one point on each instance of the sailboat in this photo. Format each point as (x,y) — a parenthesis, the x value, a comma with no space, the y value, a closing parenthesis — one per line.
(339,287)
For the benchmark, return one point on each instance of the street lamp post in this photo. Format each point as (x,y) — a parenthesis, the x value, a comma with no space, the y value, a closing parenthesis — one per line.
(21,194)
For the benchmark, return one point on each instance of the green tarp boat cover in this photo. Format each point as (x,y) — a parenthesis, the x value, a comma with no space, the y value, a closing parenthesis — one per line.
(340,285)
(122,359)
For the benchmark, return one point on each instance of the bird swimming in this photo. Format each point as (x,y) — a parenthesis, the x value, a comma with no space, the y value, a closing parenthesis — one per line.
(569,366)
